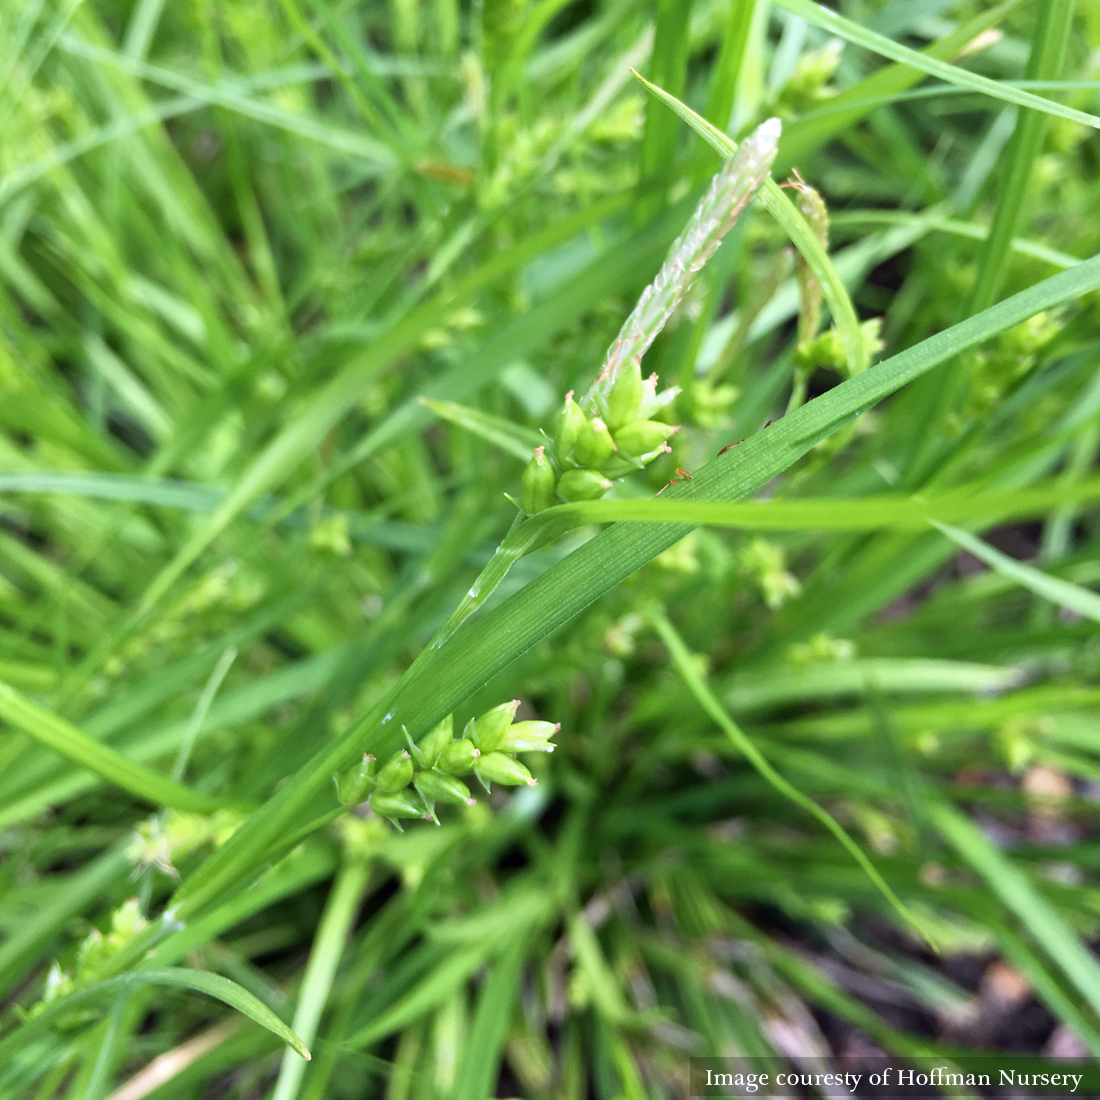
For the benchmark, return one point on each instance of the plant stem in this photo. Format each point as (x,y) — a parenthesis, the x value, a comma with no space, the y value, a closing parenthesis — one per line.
(328,946)
(669,70)
(1048,52)
(727,70)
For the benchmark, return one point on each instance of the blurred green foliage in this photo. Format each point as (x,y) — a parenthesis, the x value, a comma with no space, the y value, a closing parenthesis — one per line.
(288,291)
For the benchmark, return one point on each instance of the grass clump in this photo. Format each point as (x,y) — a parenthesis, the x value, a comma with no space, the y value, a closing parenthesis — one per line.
(291,293)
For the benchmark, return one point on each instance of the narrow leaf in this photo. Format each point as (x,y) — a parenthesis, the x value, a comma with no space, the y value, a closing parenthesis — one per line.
(825,514)
(836,24)
(682,659)
(61,736)
(213,985)
(1014,888)
(513,438)
(1070,596)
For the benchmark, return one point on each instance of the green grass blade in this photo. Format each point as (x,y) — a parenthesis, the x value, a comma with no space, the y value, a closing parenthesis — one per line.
(63,737)
(936,223)
(313,863)
(135,488)
(21,951)
(668,64)
(372,155)
(822,988)
(447,976)
(836,24)
(21,177)
(727,69)
(826,514)
(1048,51)
(1014,889)
(1070,596)
(484,1050)
(782,686)
(198,715)
(682,659)
(805,135)
(324,957)
(213,985)
(1047,987)
(505,434)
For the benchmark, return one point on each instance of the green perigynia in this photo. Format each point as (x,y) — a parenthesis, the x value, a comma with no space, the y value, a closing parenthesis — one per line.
(529,737)
(643,436)
(570,422)
(458,758)
(537,487)
(357,782)
(396,773)
(498,767)
(490,727)
(625,397)
(438,787)
(436,740)
(582,485)
(594,444)
(395,804)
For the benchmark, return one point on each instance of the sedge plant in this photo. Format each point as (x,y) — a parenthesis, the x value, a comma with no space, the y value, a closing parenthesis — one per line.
(291,298)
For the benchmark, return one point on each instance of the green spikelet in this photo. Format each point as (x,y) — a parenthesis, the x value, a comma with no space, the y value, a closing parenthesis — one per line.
(594,444)
(458,758)
(625,398)
(498,767)
(643,436)
(529,737)
(490,728)
(436,740)
(537,488)
(570,422)
(355,784)
(397,772)
(438,787)
(582,485)
(397,804)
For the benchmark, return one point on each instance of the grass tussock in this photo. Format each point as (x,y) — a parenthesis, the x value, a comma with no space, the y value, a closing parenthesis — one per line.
(302,542)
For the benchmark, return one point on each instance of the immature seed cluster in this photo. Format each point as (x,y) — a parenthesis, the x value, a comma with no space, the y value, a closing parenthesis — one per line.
(413,780)
(588,452)
(612,431)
